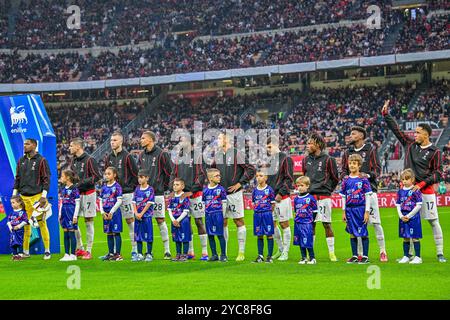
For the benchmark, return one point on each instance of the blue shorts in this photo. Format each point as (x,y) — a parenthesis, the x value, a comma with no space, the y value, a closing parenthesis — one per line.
(410,229)
(16,238)
(66,219)
(143,230)
(355,221)
(303,235)
(114,225)
(263,224)
(214,223)
(184,232)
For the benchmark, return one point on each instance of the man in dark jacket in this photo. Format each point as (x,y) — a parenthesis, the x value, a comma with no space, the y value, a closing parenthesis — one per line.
(370,169)
(322,170)
(425,160)
(235,172)
(127,171)
(87,170)
(282,182)
(158,164)
(32,183)
(192,171)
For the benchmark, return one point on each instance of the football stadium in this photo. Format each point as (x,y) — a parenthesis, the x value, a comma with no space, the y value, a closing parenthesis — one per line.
(224,150)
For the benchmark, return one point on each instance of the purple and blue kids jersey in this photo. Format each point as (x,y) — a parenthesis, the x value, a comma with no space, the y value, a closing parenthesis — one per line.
(16,236)
(263,199)
(142,198)
(355,189)
(109,195)
(17,217)
(69,196)
(213,197)
(407,199)
(304,207)
(178,206)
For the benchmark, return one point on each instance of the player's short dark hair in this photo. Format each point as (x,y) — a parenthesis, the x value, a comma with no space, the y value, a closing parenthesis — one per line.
(360,129)
(143,173)
(426,127)
(33,141)
(179,180)
(150,134)
(117,133)
(78,141)
(318,139)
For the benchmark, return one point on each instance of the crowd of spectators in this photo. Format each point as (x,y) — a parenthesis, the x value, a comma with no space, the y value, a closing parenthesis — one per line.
(94,122)
(60,67)
(433,104)
(42,23)
(424,34)
(183,53)
(4,8)
(46,24)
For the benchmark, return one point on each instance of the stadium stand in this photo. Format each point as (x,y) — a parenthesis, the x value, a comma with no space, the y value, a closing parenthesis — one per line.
(172,53)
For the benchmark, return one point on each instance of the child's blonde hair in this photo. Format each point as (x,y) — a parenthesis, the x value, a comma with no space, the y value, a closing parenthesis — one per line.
(303,179)
(211,171)
(408,174)
(357,158)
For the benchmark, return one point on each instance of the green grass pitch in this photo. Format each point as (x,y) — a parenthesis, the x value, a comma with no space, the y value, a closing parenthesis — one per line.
(161,279)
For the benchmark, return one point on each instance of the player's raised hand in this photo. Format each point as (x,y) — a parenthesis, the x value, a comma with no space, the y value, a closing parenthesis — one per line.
(385,109)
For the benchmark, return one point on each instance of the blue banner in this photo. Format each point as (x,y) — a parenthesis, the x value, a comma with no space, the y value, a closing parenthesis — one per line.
(22,117)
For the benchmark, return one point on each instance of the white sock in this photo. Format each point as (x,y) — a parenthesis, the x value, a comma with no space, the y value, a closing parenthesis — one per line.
(89,235)
(277,237)
(330,243)
(164,236)
(241,235)
(438,236)
(204,243)
(225,235)
(131,231)
(380,236)
(26,251)
(286,239)
(191,246)
(79,240)
(411,247)
(360,248)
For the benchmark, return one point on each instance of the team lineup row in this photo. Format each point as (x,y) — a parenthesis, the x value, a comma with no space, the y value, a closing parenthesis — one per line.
(155,166)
